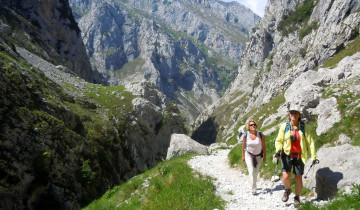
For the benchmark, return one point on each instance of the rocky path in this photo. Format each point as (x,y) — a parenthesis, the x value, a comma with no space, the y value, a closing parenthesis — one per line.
(232,185)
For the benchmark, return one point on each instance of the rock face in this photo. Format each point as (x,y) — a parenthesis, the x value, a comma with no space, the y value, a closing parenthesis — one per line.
(181,144)
(65,141)
(188,49)
(53,23)
(311,63)
(338,170)
(279,64)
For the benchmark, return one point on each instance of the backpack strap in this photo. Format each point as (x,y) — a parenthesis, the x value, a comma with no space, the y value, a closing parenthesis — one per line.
(302,127)
(244,139)
(288,127)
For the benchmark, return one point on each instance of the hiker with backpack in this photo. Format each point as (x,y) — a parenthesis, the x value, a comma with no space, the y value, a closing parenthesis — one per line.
(254,145)
(293,145)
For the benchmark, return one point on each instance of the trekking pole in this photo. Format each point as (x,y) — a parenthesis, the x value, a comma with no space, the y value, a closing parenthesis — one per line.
(316,162)
(273,178)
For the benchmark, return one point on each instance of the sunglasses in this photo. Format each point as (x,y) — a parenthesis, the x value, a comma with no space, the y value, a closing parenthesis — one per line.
(252,125)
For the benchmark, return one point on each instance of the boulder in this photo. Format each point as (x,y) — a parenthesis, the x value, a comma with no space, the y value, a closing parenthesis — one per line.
(215,146)
(343,139)
(338,170)
(241,132)
(328,115)
(182,144)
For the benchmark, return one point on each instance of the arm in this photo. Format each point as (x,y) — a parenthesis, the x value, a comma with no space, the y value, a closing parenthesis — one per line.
(243,148)
(263,147)
(280,138)
(311,146)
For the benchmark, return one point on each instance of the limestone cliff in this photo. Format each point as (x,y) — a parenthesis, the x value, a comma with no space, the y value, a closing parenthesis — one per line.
(54,28)
(64,141)
(189,49)
(293,39)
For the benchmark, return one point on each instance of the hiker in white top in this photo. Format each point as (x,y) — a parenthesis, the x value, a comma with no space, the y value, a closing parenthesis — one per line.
(254,145)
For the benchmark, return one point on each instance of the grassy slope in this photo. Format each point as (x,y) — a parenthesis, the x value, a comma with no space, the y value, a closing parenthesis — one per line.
(170,185)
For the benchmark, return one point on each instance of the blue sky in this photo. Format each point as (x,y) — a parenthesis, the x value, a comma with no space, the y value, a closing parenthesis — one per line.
(257,6)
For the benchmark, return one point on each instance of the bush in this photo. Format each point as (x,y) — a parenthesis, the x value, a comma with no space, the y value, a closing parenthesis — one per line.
(85,175)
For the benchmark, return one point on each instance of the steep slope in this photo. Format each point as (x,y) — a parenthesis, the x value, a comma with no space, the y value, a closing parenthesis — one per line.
(188,49)
(287,61)
(57,34)
(65,141)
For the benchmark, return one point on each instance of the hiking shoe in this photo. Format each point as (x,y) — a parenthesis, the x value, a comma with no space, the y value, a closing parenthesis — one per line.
(296,200)
(285,197)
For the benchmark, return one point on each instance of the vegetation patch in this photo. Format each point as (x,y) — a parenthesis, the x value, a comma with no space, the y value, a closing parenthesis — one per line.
(348,105)
(270,62)
(349,50)
(266,109)
(225,112)
(130,68)
(170,185)
(307,29)
(115,98)
(292,21)
(342,201)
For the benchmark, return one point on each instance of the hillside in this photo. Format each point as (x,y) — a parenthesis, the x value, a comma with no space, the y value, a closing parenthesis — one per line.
(297,55)
(65,141)
(188,49)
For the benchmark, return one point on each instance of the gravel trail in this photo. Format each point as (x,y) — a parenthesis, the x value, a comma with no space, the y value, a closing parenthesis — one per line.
(232,185)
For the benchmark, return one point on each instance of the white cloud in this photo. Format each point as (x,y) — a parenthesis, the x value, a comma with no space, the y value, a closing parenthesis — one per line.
(257,6)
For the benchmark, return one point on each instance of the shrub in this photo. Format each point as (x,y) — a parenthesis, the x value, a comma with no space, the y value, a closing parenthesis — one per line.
(85,174)
(291,22)
(305,31)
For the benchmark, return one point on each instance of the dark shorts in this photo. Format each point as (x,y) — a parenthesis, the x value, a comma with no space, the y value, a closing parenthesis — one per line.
(294,164)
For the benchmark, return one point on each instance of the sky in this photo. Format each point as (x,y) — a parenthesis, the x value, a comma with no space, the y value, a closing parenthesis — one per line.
(257,6)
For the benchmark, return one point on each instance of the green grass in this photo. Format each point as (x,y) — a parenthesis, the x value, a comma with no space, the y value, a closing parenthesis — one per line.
(349,50)
(129,68)
(114,98)
(342,201)
(350,112)
(223,113)
(170,185)
(266,109)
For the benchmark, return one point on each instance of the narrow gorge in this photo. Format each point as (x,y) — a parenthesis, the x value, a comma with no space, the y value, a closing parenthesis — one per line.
(91,91)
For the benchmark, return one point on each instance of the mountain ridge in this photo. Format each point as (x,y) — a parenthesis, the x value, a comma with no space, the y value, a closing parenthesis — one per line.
(189,56)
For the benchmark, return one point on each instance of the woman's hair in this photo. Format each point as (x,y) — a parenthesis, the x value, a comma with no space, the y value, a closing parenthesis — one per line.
(248,124)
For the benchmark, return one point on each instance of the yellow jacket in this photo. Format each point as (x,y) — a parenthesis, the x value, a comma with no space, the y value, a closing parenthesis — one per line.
(283,141)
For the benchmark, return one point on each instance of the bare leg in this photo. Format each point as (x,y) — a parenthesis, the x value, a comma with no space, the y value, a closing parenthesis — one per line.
(286,179)
(298,184)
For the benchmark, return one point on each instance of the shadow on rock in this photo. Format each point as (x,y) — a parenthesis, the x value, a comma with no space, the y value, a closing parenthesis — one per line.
(207,132)
(326,183)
